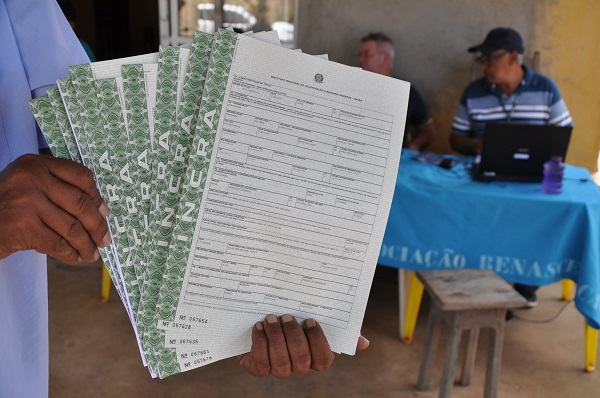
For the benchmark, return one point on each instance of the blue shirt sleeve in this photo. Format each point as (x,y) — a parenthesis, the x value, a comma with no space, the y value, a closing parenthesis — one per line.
(47,44)
(37,46)
(461,124)
(559,114)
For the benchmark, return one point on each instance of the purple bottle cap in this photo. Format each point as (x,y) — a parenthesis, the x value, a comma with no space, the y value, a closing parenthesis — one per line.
(556,158)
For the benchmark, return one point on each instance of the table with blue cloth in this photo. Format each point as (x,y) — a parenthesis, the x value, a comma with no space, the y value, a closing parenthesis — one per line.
(443,219)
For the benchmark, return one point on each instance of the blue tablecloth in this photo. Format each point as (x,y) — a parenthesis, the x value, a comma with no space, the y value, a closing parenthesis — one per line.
(442,219)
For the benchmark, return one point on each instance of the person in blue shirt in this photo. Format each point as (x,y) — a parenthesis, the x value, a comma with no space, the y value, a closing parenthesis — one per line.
(47,205)
(52,206)
(509,92)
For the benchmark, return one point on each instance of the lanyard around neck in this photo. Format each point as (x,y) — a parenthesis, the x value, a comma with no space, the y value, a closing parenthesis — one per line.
(514,104)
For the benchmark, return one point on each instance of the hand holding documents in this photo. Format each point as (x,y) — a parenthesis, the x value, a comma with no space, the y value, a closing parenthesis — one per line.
(244,179)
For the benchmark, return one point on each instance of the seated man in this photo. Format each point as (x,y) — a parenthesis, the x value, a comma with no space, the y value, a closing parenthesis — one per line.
(377,55)
(509,92)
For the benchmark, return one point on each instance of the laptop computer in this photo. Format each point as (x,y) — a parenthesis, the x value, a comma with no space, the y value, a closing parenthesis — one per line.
(517,152)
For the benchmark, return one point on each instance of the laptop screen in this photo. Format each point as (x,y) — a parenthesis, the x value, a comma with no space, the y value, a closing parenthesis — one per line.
(517,152)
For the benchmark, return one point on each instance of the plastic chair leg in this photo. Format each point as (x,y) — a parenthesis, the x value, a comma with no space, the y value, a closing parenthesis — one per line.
(105,293)
(591,347)
(415,294)
(568,289)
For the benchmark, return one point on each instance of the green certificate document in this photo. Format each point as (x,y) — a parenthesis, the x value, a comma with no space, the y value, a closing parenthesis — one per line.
(285,202)
(243,179)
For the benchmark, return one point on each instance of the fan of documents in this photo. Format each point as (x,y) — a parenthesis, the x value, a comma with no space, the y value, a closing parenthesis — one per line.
(243,179)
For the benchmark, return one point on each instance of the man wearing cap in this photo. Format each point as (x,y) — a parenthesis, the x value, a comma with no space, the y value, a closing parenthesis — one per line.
(377,55)
(509,92)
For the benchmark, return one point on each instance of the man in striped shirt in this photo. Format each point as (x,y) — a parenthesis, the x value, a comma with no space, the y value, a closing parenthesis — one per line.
(509,92)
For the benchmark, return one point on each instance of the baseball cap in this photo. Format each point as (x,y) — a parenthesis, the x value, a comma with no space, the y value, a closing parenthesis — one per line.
(500,38)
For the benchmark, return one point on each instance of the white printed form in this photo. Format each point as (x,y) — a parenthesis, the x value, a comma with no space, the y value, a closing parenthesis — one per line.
(299,190)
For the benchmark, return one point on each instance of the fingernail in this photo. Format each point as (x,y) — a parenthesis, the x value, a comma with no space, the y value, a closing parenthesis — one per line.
(286,318)
(364,340)
(271,318)
(79,259)
(96,255)
(103,209)
(106,240)
(259,326)
(309,323)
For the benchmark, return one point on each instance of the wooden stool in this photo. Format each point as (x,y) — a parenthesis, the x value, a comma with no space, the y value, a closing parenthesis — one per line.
(466,300)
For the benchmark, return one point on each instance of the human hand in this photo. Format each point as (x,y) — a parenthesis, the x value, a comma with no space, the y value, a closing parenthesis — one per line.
(52,206)
(362,343)
(281,346)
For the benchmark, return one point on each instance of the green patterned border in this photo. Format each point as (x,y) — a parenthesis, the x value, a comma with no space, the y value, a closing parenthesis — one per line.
(57,124)
(111,150)
(134,86)
(62,121)
(166,102)
(42,111)
(68,94)
(180,142)
(84,104)
(199,161)
(91,124)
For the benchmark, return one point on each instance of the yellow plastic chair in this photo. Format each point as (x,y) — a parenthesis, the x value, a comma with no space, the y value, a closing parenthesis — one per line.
(415,294)
(590,334)
(413,303)
(106,282)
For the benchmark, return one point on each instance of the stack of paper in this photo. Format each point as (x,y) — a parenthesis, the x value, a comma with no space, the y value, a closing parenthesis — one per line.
(242,179)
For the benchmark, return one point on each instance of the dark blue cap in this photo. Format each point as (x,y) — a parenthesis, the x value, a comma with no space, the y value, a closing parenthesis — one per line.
(500,39)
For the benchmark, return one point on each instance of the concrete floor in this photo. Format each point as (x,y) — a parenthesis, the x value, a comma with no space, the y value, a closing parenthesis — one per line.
(93,353)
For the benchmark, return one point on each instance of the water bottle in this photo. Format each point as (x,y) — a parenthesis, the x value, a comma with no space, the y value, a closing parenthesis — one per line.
(553,175)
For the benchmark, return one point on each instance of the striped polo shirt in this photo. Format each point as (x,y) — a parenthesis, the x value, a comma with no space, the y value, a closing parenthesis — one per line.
(537,101)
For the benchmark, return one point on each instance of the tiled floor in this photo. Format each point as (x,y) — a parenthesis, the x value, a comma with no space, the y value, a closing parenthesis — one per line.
(93,353)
